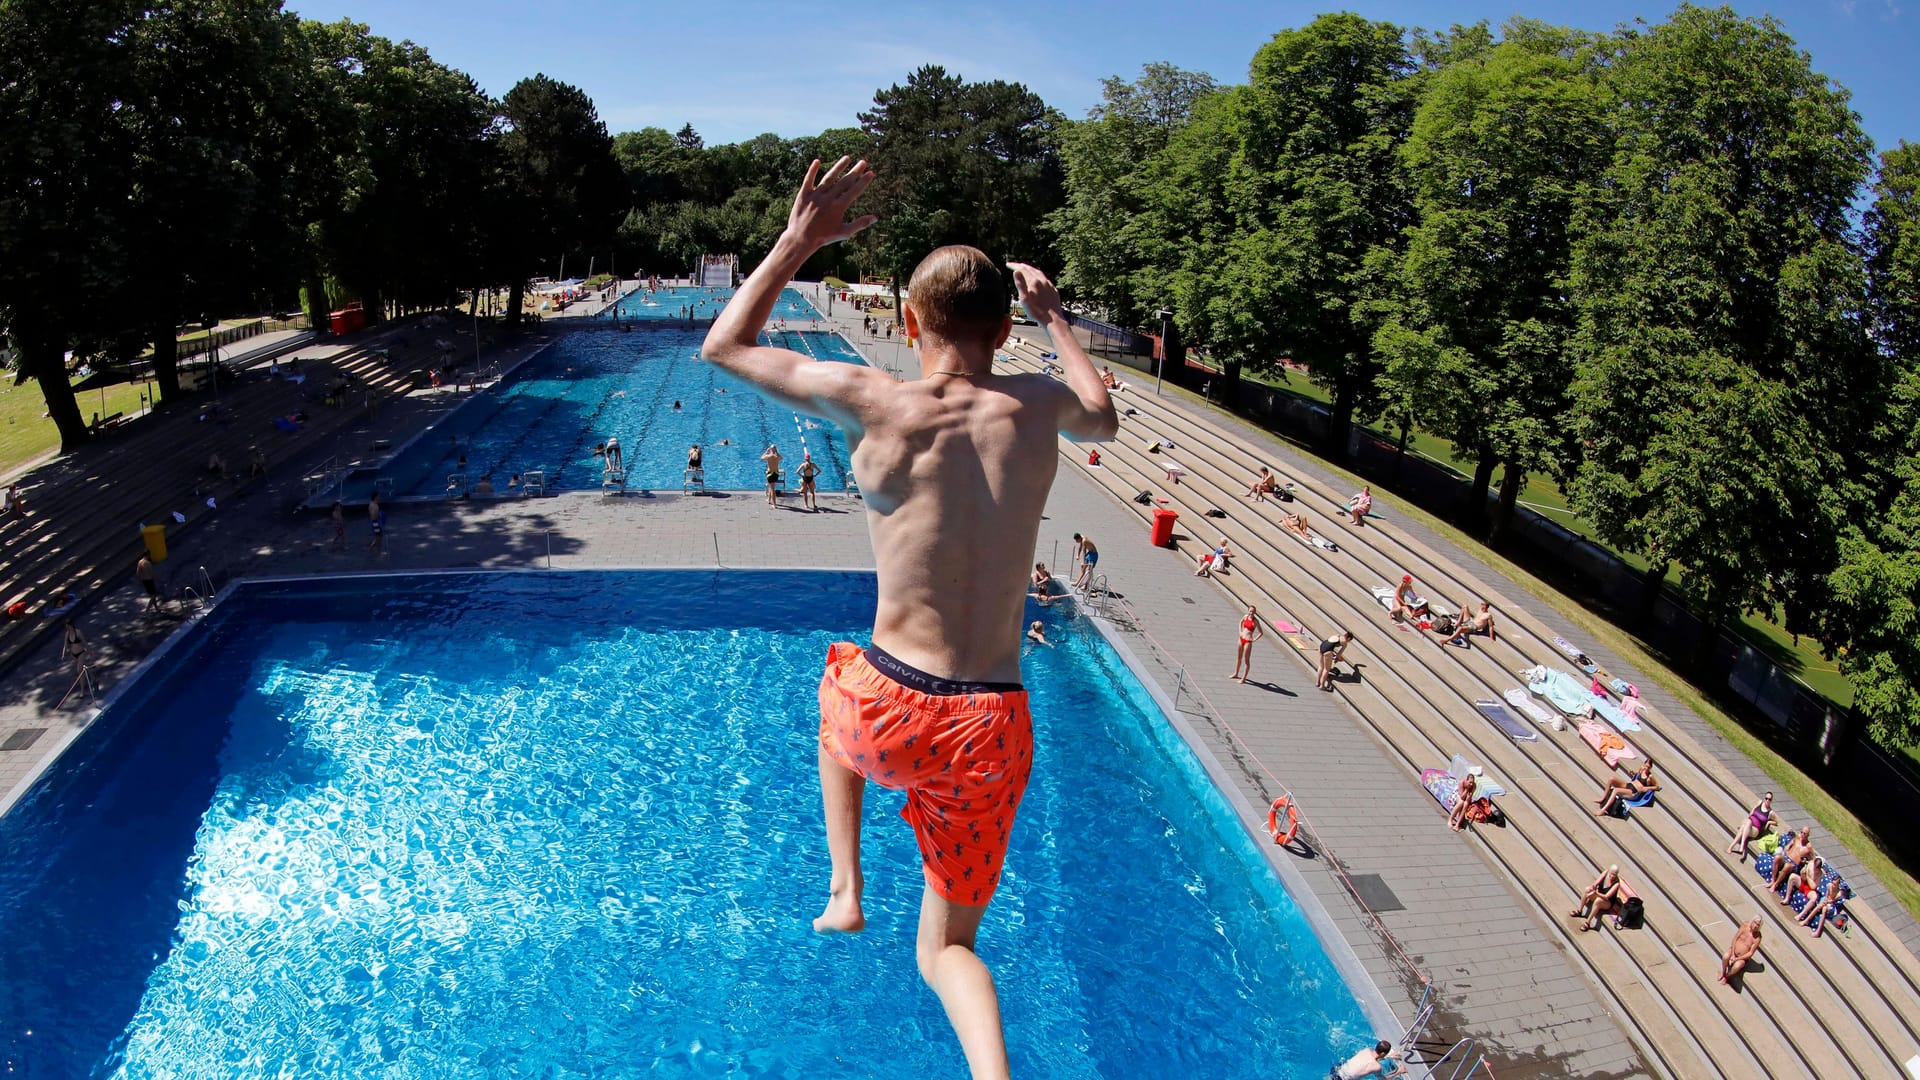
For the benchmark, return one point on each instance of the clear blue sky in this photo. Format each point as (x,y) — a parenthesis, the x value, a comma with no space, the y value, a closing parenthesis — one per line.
(736,69)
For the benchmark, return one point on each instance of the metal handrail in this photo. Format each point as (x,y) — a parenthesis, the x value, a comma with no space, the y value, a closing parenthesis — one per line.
(1471,1060)
(1098,593)
(1422,1016)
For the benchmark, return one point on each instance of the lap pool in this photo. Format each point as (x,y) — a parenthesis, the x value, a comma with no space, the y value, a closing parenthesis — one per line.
(649,389)
(568,825)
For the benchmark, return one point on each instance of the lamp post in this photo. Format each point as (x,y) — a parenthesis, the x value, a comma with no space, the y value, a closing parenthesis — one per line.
(1160,368)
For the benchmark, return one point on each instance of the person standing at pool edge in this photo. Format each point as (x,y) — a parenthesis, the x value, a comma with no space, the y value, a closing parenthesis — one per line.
(809,489)
(956,468)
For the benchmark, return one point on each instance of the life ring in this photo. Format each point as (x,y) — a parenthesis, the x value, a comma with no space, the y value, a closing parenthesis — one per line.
(1284,802)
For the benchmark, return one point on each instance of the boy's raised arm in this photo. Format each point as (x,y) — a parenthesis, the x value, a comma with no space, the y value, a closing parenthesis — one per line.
(1091,415)
(818,218)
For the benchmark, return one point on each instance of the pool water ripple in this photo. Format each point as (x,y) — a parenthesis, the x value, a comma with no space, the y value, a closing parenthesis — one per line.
(569,825)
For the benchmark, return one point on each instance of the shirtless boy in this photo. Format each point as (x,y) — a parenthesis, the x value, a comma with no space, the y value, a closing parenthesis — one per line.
(955,468)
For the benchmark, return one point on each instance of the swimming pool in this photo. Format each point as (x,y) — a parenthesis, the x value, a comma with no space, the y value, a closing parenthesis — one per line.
(648,388)
(568,824)
(668,304)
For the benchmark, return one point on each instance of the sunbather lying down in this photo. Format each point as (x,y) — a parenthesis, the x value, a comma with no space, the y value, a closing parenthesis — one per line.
(1297,525)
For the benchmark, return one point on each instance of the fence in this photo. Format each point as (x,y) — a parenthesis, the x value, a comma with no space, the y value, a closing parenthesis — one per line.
(228,335)
(1108,343)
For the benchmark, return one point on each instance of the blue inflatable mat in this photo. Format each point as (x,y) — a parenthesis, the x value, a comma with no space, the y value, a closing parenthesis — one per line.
(1505,720)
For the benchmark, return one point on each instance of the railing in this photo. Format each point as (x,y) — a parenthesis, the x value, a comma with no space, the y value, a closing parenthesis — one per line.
(220,339)
(1466,1060)
(1422,1016)
(327,476)
(1099,593)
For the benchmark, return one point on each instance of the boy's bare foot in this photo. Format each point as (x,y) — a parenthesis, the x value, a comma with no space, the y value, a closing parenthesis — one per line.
(843,916)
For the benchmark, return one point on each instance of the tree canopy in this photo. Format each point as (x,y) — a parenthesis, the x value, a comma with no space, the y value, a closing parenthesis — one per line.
(960,163)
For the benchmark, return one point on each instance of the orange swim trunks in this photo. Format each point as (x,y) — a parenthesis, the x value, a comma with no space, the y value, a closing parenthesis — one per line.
(961,751)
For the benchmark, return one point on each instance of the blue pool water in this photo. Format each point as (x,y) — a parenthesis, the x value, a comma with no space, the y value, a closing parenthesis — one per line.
(568,825)
(669,304)
(552,411)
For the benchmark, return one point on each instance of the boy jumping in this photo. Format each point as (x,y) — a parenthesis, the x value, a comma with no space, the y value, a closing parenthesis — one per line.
(955,469)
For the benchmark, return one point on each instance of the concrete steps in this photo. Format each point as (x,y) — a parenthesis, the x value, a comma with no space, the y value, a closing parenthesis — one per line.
(82,534)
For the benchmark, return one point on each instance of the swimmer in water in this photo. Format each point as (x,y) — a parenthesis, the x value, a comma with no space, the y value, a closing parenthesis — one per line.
(1037,633)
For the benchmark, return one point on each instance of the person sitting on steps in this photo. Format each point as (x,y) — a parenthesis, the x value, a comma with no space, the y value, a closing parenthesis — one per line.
(1606,894)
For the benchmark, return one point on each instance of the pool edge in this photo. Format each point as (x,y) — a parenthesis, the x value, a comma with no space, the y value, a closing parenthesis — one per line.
(126,683)
(1339,951)
(1367,994)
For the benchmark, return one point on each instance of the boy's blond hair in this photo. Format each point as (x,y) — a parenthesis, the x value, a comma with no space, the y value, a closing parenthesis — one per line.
(958,294)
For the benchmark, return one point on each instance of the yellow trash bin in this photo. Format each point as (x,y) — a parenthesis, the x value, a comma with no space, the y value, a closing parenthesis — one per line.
(156,538)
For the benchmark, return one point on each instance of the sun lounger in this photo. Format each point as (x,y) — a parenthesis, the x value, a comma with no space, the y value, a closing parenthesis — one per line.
(1505,721)
(1518,698)
(1609,745)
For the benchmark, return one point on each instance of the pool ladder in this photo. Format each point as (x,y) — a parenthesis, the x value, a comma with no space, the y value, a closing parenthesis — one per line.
(1098,593)
(1463,1060)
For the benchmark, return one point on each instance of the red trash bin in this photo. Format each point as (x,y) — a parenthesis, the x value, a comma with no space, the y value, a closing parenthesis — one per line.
(1163,527)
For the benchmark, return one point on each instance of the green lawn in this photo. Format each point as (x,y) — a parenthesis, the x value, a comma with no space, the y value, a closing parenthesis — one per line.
(25,434)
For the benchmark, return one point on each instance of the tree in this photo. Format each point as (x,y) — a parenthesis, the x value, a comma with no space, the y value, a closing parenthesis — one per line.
(1269,207)
(1875,614)
(960,163)
(652,165)
(560,163)
(408,226)
(205,78)
(64,174)
(1474,342)
(1721,366)
(1105,160)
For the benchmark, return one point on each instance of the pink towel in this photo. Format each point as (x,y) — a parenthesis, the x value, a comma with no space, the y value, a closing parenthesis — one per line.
(1617,749)
(1630,708)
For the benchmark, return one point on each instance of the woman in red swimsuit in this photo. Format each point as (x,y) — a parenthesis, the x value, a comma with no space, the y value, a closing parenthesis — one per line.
(1250,631)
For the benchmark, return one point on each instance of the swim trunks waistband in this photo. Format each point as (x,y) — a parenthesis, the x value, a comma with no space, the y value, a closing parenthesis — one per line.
(914,679)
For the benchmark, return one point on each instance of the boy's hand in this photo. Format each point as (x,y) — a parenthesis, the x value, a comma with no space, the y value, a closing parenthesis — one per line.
(1035,291)
(819,215)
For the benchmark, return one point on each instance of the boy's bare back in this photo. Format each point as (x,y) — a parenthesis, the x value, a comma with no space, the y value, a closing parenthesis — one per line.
(955,467)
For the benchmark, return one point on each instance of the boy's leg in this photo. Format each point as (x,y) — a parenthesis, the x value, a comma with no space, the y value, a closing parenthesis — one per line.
(841,792)
(963,983)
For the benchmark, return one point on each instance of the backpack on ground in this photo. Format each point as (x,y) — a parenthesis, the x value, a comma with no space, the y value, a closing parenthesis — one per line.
(1633,914)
